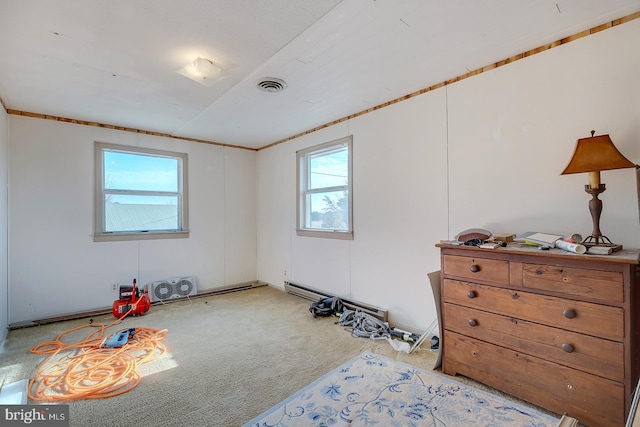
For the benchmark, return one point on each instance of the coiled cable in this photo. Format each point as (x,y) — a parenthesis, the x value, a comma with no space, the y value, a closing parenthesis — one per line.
(86,370)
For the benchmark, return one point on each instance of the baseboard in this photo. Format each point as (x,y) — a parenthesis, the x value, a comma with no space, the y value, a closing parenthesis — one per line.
(107,310)
(312,294)
(315,294)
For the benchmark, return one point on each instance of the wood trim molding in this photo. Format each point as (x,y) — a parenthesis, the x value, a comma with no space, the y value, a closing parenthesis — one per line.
(506,61)
(125,129)
(489,67)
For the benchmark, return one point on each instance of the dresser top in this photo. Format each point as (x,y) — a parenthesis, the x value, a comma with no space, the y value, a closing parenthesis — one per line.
(626,256)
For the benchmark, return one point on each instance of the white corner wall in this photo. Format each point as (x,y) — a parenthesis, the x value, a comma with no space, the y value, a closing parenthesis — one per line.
(486,151)
(56,268)
(4,290)
(513,130)
(400,211)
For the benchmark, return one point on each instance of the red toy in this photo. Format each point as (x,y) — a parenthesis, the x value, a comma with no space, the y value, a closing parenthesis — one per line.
(132,301)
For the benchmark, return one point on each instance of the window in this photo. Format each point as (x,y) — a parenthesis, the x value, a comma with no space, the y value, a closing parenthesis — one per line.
(140,193)
(325,207)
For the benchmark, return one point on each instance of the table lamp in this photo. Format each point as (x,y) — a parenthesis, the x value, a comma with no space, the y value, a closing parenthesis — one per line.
(593,155)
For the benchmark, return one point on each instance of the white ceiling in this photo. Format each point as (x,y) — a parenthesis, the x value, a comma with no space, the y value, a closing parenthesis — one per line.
(114,62)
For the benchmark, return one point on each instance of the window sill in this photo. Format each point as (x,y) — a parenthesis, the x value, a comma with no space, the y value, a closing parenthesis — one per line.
(329,234)
(119,237)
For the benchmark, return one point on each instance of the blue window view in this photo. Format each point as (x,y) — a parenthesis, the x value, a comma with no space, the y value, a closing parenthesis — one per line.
(141,192)
(329,169)
(327,190)
(126,171)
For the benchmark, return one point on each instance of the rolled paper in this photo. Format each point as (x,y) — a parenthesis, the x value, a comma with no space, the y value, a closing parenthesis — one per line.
(571,247)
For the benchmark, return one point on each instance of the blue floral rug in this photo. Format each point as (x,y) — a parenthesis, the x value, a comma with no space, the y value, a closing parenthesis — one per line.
(374,390)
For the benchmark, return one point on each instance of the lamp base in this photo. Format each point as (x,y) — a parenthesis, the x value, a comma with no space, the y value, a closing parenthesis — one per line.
(600,245)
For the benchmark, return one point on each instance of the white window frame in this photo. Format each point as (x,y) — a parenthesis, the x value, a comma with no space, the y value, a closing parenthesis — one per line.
(302,170)
(99,196)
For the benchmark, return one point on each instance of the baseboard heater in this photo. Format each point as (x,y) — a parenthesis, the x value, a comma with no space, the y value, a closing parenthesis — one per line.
(107,310)
(314,295)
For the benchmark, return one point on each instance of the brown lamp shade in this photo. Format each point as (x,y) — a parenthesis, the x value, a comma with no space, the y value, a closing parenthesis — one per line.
(596,153)
(593,155)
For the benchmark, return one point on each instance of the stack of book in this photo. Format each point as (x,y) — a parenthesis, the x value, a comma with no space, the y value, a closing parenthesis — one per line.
(538,239)
(557,241)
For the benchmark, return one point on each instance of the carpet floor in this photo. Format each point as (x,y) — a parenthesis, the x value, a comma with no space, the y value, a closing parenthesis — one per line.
(230,357)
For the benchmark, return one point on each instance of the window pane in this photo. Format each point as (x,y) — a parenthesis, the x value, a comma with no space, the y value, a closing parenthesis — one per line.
(125,171)
(140,213)
(325,190)
(328,211)
(329,169)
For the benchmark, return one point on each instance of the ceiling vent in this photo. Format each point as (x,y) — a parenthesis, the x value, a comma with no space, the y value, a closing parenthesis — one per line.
(270,84)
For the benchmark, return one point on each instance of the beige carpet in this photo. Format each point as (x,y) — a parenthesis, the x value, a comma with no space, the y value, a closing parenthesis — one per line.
(230,357)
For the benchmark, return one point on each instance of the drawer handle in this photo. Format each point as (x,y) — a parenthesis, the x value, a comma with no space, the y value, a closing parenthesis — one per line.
(473,322)
(569,348)
(569,313)
(474,268)
(472,294)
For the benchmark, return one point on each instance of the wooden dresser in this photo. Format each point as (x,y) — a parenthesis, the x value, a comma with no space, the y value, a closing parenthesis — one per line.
(557,329)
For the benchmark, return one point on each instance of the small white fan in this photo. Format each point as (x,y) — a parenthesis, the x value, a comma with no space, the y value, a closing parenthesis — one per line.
(177,287)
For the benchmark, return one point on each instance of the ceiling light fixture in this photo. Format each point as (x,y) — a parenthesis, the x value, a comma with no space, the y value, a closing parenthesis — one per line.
(201,70)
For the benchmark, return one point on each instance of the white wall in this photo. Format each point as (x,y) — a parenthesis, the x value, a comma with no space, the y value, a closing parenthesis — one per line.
(4,297)
(513,130)
(56,268)
(400,211)
(483,152)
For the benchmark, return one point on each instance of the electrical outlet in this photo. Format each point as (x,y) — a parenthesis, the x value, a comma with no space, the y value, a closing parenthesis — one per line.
(114,287)
(285,273)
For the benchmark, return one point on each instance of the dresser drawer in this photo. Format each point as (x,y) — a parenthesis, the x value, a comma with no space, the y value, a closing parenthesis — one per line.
(580,282)
(593,319)
(586,353)
(593,400)
(482,269)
